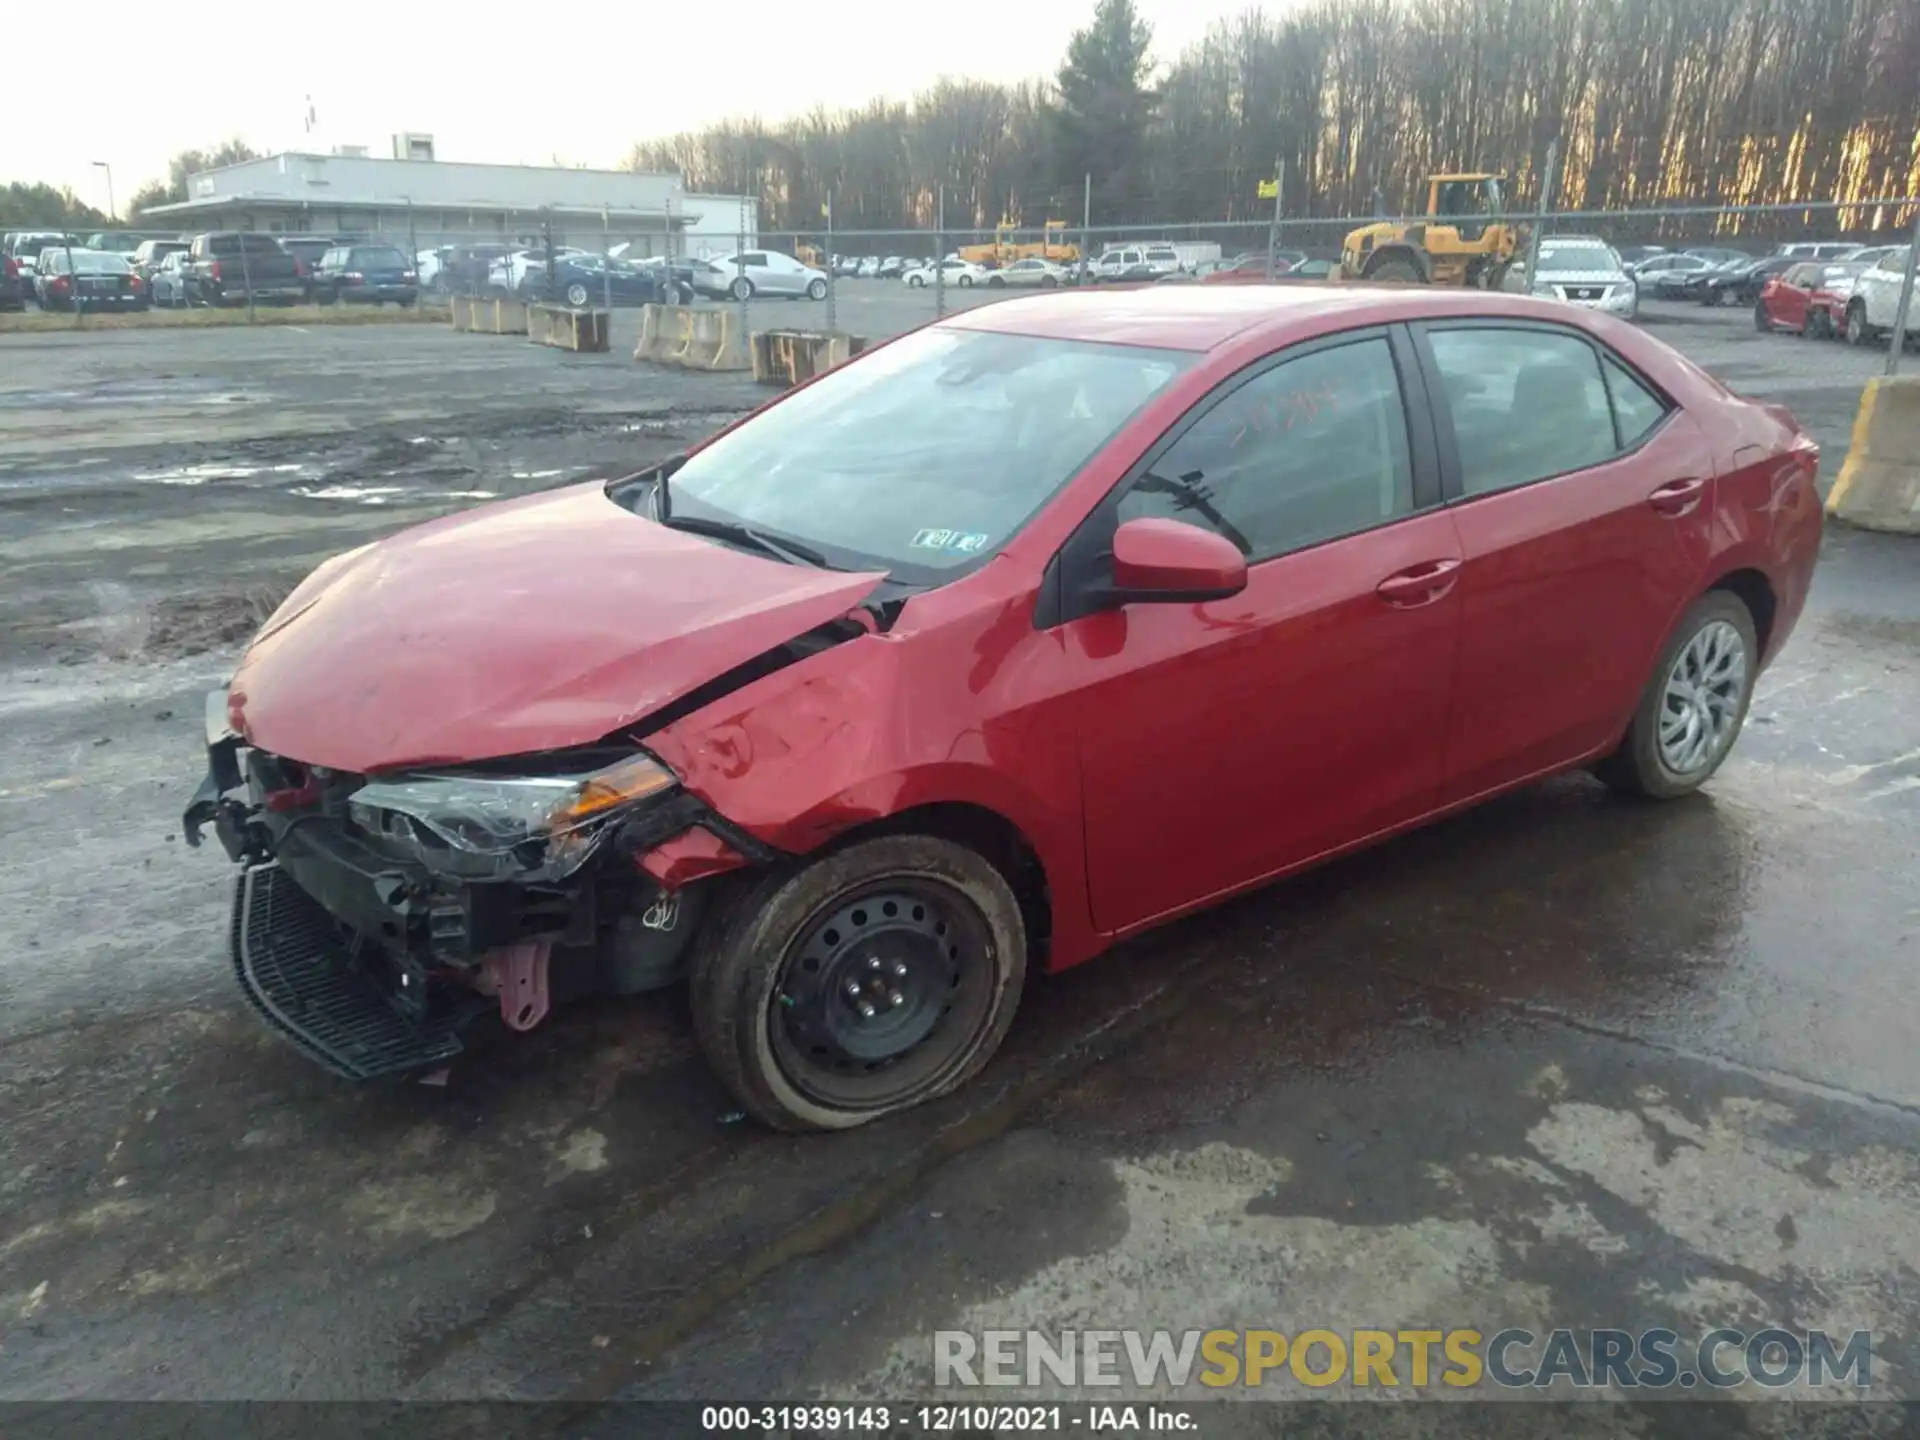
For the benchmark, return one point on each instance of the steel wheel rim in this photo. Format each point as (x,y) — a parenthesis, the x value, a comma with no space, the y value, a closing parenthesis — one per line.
(1700,703)
(909,936)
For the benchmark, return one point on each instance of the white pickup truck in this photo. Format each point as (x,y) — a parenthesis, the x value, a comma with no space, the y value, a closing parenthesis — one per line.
(1876,299)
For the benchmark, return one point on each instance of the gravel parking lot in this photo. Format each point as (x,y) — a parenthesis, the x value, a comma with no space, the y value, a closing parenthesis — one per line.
(1562,1061)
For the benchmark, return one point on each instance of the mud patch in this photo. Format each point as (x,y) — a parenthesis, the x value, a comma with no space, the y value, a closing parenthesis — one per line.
(185,625)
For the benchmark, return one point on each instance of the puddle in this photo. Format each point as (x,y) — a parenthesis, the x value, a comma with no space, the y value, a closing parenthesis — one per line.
(200,474)
(357,494)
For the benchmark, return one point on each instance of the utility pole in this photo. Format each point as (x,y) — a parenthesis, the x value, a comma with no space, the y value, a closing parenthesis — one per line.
(112,214)
(1897,341)
(940,254)
(1549,181)
(832,310)
(1086,226)
(1273,228)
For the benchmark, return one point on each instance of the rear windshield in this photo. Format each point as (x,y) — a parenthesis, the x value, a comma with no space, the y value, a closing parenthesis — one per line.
(235,244)
(32,245)
(380,257)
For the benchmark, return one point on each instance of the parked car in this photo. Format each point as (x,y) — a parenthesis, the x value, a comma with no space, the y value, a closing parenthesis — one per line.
(769,272)
(149,253)
(87,280)
(167,281)
(1584,270)
(1632,255)
(1666,276)
(117,242)
(14,287)
(1246,270)
(1695,288)
(891,267)
(869,267)
(1871,254)
(1807,297)
(1875,300)
(962,273)
(1827,305)
(846,265)
(226,266)
(510,270)
(673,279)
(1818,250)
(25,247)
(1719,254)
(467,269)
(365,274)
(309,250)
(1125,264)
(1741,284)
(1030,273)
(990,648)
(585,281)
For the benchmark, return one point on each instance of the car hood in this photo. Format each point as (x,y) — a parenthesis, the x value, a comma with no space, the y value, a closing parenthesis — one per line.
(529,625)
(1582,277)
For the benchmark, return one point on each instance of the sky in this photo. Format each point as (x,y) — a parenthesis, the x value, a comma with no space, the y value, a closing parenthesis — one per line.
(485,95)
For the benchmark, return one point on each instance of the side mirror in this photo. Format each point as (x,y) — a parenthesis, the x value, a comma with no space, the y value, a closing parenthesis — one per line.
(1170,560)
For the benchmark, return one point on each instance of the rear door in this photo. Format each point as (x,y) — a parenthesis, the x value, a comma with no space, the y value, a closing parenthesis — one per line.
(1225,741)
(1584,501)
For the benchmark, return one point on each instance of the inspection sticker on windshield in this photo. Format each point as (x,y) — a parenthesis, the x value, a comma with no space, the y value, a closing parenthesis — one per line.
(954,542)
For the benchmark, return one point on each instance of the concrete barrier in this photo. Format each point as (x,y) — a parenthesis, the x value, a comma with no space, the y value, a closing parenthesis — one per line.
(1879,486)
(487,316)
(690,338)
(787,357)
(587,331)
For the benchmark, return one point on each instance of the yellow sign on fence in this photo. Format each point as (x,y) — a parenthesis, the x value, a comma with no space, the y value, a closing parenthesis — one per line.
(1269,189)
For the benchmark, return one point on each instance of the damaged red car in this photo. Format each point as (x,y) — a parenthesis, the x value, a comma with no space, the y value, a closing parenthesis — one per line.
(1013,637)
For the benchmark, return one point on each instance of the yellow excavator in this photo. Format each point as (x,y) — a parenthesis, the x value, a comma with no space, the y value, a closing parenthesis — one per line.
(1460,242)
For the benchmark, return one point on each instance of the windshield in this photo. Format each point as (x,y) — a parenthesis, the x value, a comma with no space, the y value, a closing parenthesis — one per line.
(87,262)
(928,454)
(1577,257)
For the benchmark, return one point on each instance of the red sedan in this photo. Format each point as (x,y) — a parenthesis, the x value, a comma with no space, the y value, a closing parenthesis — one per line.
(1011,638)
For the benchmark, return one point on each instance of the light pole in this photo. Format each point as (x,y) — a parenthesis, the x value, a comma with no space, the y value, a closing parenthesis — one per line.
(111,214)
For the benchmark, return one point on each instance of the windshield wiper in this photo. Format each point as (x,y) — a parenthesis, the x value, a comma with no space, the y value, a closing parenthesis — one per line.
(791,551)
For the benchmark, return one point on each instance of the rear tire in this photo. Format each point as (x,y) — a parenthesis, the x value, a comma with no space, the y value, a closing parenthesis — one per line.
(1694,705)
(741,288)
(792,1010)
(817,290)
(1859,332)
(1760,320)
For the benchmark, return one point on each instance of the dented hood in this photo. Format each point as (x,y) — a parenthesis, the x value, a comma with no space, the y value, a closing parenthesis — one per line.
(523,626)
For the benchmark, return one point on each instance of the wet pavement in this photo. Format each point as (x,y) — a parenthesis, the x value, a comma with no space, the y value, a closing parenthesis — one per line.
(1563,1060)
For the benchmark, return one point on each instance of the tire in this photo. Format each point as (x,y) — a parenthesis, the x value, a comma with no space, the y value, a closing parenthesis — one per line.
(966,282)
(914,282)
(1047,282)
(577,295)
(741,288)
(763,1024)
(1859,332)
(817,290)
(1643,765)
(1395,272)
(995,282)
(1760,320)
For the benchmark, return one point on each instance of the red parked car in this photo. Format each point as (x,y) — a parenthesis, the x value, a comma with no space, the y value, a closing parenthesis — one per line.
(1785,300)
(1010,638)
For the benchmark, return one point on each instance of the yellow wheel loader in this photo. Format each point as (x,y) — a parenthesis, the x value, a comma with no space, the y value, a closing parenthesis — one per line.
(1459,243)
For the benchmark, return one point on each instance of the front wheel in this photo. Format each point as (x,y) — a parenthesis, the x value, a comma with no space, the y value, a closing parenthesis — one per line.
(1760,320)
(881,975)
(817,290)
(914,282)
(741,289)
(1694,704)
(577,295)
(1859,332)
(966,282)
(1395,272)
(995,282)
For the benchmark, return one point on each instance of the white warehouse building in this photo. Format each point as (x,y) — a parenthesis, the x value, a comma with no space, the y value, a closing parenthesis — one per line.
(439,202)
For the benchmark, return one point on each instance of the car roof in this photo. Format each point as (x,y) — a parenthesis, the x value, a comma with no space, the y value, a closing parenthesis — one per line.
(1205,317)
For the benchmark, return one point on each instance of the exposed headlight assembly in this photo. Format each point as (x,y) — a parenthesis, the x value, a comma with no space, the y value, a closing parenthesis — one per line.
(487,827)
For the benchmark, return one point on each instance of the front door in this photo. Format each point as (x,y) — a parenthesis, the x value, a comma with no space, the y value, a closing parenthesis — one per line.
(1584,503)
(1225,741)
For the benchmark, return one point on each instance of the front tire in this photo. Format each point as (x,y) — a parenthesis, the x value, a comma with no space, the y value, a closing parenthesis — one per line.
(1694,705)
(1395,272)
(1859,332)
(741,289)
(817,290)
(874,978)
(966,282)
(1760,320)
(915,282)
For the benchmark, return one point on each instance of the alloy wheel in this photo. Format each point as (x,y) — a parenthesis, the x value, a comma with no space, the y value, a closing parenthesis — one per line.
(1700,707)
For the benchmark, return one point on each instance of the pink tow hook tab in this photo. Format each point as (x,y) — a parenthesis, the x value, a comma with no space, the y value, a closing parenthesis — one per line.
(518,974)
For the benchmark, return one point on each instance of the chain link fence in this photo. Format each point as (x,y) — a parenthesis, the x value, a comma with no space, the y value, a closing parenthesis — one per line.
(874,283)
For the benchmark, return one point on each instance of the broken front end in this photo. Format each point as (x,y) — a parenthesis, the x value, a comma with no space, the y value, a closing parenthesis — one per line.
(375,916)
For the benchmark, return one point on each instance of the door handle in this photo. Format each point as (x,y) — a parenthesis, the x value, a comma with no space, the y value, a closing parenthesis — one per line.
(1419,584)
(1677,497)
